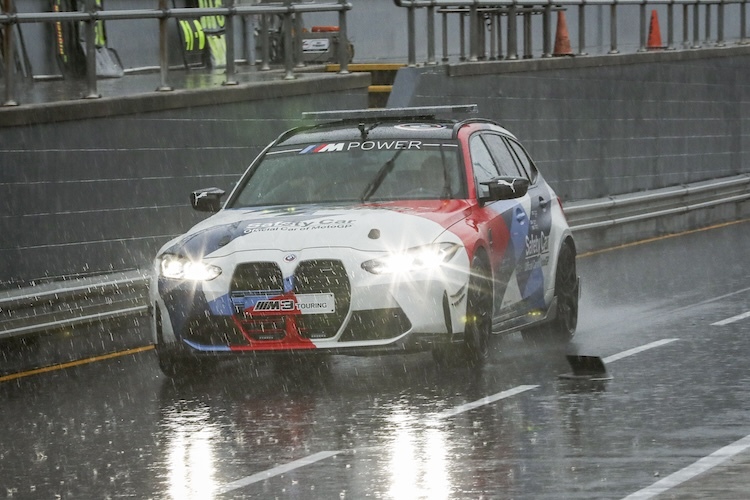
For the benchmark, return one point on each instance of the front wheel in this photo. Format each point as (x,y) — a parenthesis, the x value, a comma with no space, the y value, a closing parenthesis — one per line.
(475,349)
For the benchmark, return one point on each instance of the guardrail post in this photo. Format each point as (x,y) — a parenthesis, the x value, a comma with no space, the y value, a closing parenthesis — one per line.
(696,26)
(546,37)
(613,28)
(685,29)
(288,47)
(643,30)
(743,23)
(670,26)
(445,37)
(297,40)
(412,26)
(527,49)
(582,28)
(229,37)
(431,35)
(163,48)
(499,33)
(512,33)
(707,25)
(473,33)
(720,27)
(265,43)
(462,36)
(92,93)
(343,46)
(8,54)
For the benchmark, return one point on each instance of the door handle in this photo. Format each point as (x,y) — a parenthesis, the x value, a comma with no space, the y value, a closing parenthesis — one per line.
(544,203)
(520,214)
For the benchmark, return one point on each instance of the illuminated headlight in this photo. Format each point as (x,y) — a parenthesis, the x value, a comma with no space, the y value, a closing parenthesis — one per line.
(414,259)
(180,268)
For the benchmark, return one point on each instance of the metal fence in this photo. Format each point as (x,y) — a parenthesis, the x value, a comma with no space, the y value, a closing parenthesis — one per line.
(289,11)
(483,19)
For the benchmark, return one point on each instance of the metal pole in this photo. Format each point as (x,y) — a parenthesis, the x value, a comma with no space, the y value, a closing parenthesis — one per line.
(613,28)
(91,53)
(642,12)
(265,43)
(343,41)
(462,37)
(163,48)
(8,55)
(288,47)
(720,27)
(297,40)
(229,38)
(498,18)
(743,23)
(412,26)
(582,28)
(670,26)
(527,50)
(685,30)
(431,35)
(546,36)
(473,33)
(445,37)
(512,33)
(696,26)
(707,40)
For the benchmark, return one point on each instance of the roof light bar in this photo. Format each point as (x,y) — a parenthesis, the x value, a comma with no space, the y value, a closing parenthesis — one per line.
(374,114)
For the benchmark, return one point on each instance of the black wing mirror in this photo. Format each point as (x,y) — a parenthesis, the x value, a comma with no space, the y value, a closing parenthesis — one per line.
(207,200)
(506,188)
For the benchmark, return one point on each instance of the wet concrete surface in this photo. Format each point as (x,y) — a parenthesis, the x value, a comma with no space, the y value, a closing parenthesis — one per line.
(400,427)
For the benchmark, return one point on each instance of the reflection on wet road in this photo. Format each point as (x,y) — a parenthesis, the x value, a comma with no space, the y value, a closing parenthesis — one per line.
(669,318)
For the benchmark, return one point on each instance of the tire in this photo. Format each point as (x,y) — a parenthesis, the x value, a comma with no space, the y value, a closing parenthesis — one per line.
(475,349)
(563,326)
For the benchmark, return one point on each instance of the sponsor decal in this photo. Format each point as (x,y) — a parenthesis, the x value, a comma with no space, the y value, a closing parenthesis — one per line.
(337,147)
(306,303)
(298,225)
(537,245)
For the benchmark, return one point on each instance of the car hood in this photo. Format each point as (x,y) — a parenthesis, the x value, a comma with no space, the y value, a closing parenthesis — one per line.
(372,227)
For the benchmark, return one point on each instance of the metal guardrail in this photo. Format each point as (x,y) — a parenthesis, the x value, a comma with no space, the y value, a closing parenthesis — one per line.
(53,306)
(290,11)
(484,23)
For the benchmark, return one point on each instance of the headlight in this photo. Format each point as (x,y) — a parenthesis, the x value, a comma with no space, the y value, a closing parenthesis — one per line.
(180,268)
(413,259)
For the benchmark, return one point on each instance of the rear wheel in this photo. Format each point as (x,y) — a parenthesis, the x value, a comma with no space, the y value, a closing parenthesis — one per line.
(563,326)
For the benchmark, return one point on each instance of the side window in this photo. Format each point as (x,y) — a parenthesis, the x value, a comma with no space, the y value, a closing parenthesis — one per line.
(482,163)
(506,161)
(526,162)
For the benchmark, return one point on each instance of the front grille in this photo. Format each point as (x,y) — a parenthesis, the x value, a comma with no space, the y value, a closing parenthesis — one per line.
(323,276)
(376,324)
(257,279)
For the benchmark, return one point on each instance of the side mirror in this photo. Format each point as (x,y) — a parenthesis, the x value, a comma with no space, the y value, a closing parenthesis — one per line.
(506,188)
(207,200)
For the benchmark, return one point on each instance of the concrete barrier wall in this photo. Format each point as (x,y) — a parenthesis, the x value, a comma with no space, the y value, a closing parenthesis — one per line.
(92,187)
(95,186)
(606,125)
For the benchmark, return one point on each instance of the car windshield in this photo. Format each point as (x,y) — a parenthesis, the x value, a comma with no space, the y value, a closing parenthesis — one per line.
(354,172)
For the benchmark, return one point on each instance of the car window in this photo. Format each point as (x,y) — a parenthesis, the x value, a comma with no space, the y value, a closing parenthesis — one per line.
(506,161)
(482,163)
(354,172)
(523,158)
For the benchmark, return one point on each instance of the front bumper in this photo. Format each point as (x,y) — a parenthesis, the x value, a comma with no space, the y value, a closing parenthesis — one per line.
(369,314)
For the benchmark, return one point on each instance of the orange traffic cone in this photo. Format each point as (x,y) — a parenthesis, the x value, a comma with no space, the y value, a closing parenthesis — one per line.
(654,34)
(562,41)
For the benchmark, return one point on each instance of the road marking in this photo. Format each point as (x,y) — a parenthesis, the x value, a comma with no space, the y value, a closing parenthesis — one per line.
(636,350)
(281,469)
(733,319)
(71,364)
(689,472)
(485,401)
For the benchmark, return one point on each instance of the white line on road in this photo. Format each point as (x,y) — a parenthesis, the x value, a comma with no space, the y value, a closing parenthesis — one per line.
(281,469)
(485,401)
(689,472)
(733,319)
(636,350)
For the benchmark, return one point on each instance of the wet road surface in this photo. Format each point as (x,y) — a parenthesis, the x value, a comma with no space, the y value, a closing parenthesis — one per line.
(669,318)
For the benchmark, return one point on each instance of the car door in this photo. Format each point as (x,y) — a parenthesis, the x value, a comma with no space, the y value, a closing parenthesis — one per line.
(529,230)
(507,222)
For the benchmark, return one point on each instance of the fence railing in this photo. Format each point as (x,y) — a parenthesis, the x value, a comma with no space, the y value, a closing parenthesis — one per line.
(288,10)
(484,24)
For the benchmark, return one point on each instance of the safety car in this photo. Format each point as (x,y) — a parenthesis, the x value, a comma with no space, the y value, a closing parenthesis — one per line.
(370,232)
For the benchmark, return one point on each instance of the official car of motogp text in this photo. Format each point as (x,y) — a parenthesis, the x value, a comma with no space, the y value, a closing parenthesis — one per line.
(370,232)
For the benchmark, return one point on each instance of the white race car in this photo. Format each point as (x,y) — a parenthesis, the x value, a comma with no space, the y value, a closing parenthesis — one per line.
(370,232)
